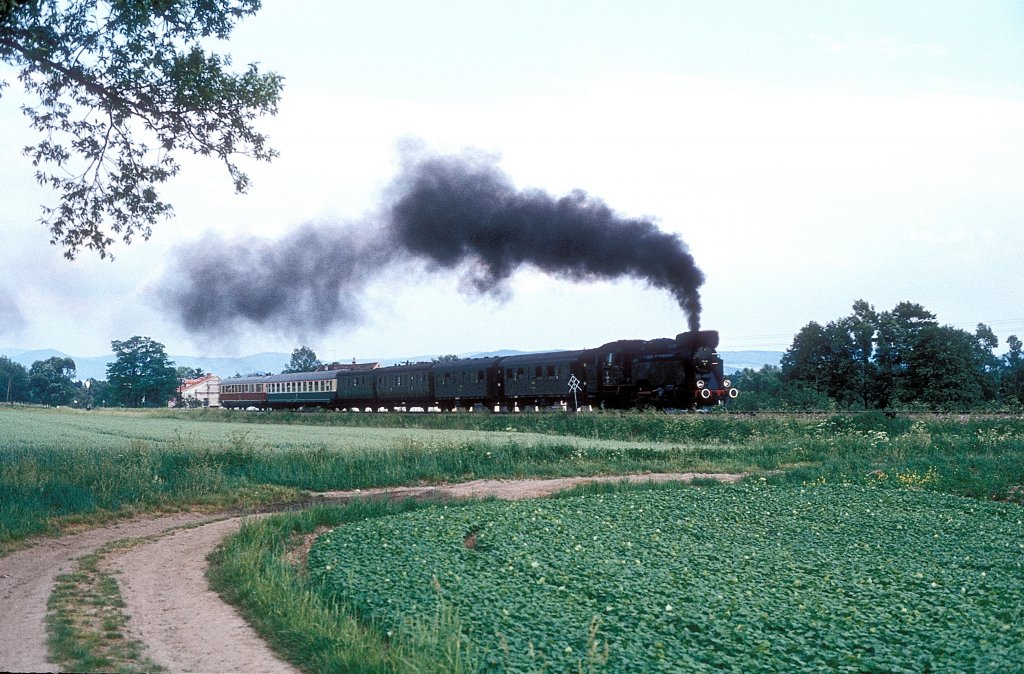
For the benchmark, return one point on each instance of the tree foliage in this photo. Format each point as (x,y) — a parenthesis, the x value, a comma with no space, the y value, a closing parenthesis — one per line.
(14,385)
(901,357)
(943,369)
(303,360)
(51,381)
(1011,384)
(118,89)
(142,375)
(185,372)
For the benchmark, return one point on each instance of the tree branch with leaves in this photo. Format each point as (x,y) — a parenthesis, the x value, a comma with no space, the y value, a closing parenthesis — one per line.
(121,88)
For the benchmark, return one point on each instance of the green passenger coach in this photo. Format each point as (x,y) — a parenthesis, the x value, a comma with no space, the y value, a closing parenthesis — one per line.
(467,382)
(405,385)
(302,389)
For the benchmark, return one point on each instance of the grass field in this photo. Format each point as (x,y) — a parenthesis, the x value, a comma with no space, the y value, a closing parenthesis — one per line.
(62,467)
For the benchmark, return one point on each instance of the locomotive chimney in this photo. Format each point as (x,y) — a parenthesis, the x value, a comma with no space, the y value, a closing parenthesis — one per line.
(687,342)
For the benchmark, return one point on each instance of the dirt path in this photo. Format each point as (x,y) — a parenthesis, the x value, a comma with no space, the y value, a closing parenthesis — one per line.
(185,626)
(27,577)
(519,489)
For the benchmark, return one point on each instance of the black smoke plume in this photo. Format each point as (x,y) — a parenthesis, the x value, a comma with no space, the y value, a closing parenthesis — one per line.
(458,213)
(295,286)
(453,211)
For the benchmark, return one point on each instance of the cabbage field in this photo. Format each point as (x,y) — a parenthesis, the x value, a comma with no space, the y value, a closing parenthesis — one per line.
(752,578)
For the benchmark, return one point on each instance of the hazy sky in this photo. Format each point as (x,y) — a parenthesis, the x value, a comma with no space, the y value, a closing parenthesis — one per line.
(810,154)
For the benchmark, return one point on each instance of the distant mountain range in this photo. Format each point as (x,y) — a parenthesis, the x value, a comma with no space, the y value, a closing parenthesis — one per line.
(735,361)
(95,367)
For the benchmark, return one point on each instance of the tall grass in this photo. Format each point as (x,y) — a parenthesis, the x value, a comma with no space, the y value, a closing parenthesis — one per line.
(60,464)
(56,465)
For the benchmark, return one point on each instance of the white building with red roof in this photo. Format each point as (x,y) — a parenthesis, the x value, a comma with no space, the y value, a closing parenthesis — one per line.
(205,390)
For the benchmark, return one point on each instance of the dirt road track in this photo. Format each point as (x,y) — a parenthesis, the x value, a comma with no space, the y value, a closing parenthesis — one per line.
(27,577)
(184,625)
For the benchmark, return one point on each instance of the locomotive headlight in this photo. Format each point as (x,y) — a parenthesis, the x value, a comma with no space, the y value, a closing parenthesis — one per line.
(726,383)
(700,383)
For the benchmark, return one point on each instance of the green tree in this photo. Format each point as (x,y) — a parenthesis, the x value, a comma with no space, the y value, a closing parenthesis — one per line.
(945,369)
(303,360)
(1011,381)
(986,343)
(184,372)
(141,375)
(806,360)
(862,326)
(823,359)
(896,357)
(117,90)
(898,332)
(14,385)
(761,389)
(51,381)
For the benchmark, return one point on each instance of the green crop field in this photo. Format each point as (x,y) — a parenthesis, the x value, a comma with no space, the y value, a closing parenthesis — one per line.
(753,578)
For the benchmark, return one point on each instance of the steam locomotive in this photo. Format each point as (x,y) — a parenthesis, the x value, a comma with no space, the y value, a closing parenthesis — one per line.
(685,372)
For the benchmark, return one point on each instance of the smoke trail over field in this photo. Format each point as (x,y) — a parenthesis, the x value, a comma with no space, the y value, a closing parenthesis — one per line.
(309,279)
(448,212)
(451,211)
